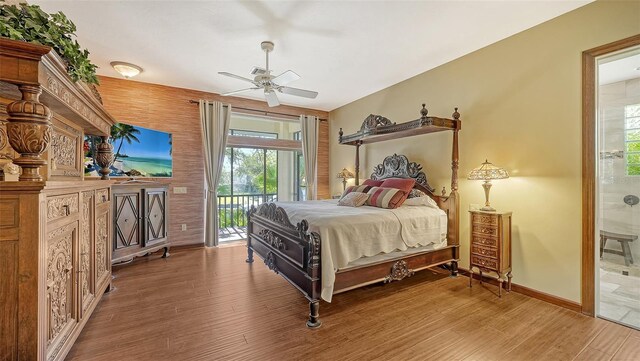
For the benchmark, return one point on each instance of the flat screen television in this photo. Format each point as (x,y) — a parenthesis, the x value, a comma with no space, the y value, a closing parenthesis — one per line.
(138,152)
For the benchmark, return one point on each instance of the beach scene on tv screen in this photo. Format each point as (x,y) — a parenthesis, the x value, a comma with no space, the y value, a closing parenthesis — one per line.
(138,152)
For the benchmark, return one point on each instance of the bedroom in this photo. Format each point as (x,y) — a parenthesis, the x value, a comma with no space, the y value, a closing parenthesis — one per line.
(518,86)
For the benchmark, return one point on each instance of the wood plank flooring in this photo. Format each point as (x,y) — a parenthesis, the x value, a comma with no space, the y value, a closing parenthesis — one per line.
(208,304)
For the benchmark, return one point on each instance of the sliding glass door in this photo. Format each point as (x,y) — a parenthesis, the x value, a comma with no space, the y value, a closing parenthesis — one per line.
(254,175)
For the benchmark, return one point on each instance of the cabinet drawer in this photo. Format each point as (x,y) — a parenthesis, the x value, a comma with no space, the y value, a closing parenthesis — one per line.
(489,219)
(485,230)
(102,195)
(484,251)
(484,241)
(484,262)
(63,205)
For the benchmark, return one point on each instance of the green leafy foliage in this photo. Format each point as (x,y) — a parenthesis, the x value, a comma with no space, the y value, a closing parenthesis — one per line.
(633,146)
(31,24)
(248,172)
(633,135)
(249,166)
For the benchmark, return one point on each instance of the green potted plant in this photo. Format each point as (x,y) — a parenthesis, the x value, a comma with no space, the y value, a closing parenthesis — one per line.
(31,24)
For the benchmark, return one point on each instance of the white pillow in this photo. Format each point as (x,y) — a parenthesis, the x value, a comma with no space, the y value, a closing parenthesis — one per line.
(415,193)
(353,199)
(421,201)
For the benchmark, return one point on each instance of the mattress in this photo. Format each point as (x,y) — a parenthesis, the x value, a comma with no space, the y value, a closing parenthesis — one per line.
(348,234)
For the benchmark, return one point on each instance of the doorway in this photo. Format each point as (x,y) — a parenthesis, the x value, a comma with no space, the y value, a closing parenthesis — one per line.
(262,163)
(611,182)
(618,187)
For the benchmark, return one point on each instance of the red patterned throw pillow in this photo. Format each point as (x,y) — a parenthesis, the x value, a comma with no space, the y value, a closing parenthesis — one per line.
(404,184)
(373,183)
(385,197)
(361,189)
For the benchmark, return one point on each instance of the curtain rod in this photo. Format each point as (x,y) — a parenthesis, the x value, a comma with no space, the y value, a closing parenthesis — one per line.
(261,111)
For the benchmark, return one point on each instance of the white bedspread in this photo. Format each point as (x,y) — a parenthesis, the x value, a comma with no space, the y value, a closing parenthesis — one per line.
(348,233)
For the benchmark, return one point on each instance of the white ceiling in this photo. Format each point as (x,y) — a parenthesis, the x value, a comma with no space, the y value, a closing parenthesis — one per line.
(622,68)
(343,49)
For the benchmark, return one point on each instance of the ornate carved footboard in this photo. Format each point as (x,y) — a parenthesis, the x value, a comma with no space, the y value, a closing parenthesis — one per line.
(288,250)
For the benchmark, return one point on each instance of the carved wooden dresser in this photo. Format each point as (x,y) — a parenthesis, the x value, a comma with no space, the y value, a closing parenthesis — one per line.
(55,252)
(491,245)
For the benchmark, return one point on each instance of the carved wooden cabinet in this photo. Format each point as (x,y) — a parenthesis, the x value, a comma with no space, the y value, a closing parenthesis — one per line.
(55,227)
(55,256)
(140,220)
(490,246)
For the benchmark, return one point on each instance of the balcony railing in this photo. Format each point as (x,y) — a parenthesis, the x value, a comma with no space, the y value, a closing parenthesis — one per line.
(232,213)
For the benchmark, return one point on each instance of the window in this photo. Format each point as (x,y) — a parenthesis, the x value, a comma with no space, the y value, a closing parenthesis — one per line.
(248,170)
(249,177)
(251,133)
(632,139)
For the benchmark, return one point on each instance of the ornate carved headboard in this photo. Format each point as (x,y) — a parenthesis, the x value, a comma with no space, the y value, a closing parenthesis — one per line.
(398,166)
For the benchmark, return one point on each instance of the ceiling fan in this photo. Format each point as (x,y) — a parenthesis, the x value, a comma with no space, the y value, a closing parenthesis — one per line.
(270,83)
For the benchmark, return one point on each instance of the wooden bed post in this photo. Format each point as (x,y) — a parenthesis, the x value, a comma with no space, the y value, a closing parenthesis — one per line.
(454,194)
(358,144)
(314,318)
(454,155)
(250,214)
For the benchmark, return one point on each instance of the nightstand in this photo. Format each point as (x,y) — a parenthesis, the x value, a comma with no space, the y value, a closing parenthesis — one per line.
(490,246)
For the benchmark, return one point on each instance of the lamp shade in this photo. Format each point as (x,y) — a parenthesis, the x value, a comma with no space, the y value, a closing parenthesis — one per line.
(488,171)
(345,174)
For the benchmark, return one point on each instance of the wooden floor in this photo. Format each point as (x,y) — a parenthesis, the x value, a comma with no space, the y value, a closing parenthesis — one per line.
(208,304)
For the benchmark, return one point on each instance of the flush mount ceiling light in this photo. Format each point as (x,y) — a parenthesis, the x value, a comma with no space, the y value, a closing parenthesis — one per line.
(127,70)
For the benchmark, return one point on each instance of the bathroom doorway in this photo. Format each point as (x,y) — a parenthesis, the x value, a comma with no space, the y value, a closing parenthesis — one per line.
(617,185)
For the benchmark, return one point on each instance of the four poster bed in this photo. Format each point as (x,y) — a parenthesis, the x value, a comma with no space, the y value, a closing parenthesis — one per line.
(322,249)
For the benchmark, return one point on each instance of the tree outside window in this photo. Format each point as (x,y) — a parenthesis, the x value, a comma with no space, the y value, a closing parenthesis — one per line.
(632,139)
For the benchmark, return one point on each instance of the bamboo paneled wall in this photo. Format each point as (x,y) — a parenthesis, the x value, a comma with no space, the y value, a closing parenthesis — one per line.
(168,109)
(324,190)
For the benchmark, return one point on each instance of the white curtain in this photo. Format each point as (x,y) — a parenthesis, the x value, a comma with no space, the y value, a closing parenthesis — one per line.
(309,126)
(214,119)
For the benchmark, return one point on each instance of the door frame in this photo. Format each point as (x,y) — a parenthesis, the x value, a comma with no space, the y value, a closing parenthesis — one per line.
(589,165)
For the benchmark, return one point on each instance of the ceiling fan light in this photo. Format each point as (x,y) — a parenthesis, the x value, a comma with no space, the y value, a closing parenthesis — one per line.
(269,83)
(127,70)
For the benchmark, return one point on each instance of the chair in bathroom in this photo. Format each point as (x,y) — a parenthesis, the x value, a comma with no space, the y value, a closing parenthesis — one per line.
(624,240)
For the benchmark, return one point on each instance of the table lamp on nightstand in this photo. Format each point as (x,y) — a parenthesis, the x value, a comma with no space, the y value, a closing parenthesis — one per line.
(487,172)
(345,174)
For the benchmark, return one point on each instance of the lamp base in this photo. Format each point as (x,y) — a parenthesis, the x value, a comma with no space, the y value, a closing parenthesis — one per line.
(487,207)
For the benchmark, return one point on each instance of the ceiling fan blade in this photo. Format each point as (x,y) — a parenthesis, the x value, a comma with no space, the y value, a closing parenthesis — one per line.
(236,76)
(298,92)
(272,98)
(238,91)
(286,78)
